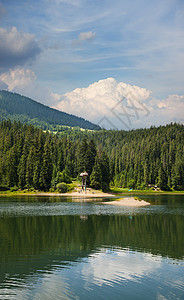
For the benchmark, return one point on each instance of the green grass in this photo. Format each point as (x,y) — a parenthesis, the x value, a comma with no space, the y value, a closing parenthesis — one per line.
(113,190)
(117,190)
(19,192)
(71,187)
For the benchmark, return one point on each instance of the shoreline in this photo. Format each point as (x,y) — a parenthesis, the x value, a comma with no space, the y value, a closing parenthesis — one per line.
(72,194)
(77,194)
(91,193)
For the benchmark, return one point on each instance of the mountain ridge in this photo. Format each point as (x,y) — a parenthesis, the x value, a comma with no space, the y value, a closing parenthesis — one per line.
(14,106)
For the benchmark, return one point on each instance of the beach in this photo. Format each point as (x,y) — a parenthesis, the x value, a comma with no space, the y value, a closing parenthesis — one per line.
(128,202)
(76,194)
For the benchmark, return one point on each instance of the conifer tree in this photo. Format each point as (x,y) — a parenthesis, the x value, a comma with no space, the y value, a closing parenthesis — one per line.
(162,179)
(105,171)
(90,157)
(36,175)
(82,159)
(11,172)
(22,172)
(46,169)
(30,167)
(96,175)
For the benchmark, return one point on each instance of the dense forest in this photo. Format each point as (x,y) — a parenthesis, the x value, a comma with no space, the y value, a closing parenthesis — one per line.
(19,108)
(32,158)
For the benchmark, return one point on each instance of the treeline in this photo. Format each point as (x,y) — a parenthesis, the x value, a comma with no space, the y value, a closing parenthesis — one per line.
(31,158)
(144,157)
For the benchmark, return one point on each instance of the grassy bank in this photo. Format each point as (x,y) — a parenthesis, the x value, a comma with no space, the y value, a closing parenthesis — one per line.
(114,190)
(124,191)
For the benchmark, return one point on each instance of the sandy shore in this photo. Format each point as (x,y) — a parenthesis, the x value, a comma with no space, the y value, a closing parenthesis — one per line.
(128,202)
(72,194)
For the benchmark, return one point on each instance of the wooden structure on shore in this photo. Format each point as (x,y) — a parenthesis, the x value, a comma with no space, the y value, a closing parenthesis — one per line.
(84,178)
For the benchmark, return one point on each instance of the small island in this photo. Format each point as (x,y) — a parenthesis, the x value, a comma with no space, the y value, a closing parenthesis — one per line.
(130,201)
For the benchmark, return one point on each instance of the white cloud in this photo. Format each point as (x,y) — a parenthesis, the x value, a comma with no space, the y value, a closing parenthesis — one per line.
(17,78)
(118,105)
(168,110)
(173,102)
(119,266)
(111,104)
(23,81)
(16,48)
(83,36)
(102,98)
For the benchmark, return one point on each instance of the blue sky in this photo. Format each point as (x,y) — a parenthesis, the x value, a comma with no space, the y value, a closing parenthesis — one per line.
(51,47)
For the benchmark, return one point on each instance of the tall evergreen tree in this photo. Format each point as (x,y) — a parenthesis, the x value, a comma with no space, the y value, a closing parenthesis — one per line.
(46,169)
(105,171)
(96,175)
(30,167)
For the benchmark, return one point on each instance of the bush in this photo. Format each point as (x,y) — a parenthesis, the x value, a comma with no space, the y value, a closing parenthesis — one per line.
(71,187)
(63,177)
(62,187)
(14,188)
(137,198)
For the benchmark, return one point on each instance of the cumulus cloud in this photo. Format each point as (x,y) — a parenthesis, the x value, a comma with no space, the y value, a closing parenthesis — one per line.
(118,105)
(168,110)
(23,81)
(106,98)
(111,104)
(17,78)
(16,48)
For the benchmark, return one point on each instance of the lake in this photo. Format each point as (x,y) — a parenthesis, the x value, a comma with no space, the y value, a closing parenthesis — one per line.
(56,248)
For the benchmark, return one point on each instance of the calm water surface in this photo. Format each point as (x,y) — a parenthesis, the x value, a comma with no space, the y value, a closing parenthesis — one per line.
(53,248)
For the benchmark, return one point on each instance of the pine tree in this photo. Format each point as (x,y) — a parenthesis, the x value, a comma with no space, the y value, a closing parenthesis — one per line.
(105,171)
(36,175)
(11,173)
(46,169)
(22,171)
(82,158)
(30,167)
(96,175)
(162,178)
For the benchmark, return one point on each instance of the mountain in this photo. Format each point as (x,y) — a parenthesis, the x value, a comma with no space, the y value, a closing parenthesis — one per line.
(16,107)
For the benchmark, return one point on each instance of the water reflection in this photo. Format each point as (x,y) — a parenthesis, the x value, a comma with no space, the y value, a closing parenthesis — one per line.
(109,272)
(36,240)
(88,247)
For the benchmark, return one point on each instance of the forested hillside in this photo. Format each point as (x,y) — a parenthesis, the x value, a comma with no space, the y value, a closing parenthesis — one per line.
(19,108)
(143,157)
(31,158)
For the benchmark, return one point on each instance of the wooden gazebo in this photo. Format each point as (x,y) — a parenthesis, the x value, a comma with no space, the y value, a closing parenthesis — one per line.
(84,177)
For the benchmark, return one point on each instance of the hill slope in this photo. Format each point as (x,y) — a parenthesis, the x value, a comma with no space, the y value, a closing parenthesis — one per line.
(16,107)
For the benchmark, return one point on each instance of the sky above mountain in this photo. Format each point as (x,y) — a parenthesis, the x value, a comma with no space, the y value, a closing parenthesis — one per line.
(118,63)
